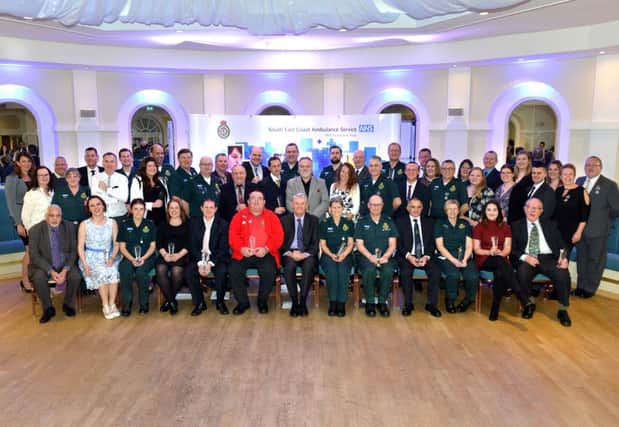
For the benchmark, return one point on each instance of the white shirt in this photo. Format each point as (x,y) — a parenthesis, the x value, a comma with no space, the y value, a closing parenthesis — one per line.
(276,179)
(207,235)
(90,174)
(534,189)
(544,248)
(590,183)
(412,186)
(35,207)
(257,170)
(116,194)
(412,220)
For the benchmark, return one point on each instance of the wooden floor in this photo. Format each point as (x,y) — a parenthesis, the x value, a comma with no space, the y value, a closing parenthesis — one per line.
(273,370)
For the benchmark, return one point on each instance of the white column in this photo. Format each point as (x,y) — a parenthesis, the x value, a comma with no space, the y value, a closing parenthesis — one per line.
(333,94)
(456,132)
(214,93)
(85,97)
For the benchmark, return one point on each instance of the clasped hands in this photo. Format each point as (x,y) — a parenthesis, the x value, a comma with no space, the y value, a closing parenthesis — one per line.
(258,252)
(418,262)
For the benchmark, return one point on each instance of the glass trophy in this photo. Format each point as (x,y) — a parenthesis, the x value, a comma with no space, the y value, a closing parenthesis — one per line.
(378,254)
(106,255)
(562,254)
(460,253)
(171,248)
(137,252)
(342,247)
(252,243)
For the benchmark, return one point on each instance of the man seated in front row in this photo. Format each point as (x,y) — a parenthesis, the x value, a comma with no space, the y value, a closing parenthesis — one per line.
(255,237)
(375,236)
(300,249)
(416,251)
(53,253)
(536,248)
(209,253)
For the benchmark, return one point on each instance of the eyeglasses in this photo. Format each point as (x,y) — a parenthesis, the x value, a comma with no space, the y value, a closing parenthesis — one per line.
(43,176)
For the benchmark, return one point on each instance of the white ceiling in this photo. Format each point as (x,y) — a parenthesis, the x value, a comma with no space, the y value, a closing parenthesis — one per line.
(530,16)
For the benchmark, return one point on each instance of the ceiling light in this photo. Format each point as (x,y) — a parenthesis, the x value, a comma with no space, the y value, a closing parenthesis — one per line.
(28,18)
(483,13)
(342,30)
(454,66)
(179,31)
(602,52)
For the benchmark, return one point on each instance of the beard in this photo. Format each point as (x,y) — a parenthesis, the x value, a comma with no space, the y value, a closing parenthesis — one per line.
(335,161)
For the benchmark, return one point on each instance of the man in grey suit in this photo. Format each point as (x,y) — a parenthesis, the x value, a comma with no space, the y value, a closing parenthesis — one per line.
(313,187)
(591,250)
(53,252)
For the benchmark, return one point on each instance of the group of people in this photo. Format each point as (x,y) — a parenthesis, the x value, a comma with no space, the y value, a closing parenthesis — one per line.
(112,226)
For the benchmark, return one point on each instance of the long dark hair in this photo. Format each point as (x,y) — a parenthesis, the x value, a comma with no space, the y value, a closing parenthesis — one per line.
(18,172)
(146,184)
(499,218)
(50,185)
(352,176)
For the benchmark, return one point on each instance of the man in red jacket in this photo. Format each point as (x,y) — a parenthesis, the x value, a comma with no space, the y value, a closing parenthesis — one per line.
(255,237)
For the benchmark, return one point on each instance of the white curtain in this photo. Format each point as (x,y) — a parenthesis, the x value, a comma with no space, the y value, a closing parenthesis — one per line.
(257,16)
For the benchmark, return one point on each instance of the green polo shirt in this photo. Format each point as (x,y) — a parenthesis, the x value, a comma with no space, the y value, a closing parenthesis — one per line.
(397,172)
(454,236)
(73,205)
(384,187)
(166,172)
(375,235)
(334,235)
(134,235)
(199,191)
(289,173)
(328,174)
(440,193)
(180,183)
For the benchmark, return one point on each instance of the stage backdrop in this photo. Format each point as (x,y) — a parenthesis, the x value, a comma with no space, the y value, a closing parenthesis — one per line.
(212,134)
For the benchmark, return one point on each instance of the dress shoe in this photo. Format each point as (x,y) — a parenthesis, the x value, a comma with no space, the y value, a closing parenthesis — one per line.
(383,310)
(341,309)
(68,311)
(144,309)
(126,311)
(407,309)
(434,311)
(263,307)
(303,311)
(450,306)
(239,309)
(165,307)
(294,310)
(198,309)
(564,318)
(47,315)
(332,308)
(528,311)
(494,312)
(25,289)
(221,307)
(463,306)
(173,308)
(370,310)
(586,294)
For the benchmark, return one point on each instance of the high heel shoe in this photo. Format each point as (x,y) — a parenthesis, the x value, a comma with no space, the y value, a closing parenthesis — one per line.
(25,289)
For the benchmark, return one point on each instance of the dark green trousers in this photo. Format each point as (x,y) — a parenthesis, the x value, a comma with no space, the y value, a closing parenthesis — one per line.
(141,275)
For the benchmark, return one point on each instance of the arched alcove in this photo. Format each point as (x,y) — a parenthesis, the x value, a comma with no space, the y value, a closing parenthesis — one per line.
(273,98)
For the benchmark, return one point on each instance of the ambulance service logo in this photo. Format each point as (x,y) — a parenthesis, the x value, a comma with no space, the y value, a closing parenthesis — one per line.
(223,130)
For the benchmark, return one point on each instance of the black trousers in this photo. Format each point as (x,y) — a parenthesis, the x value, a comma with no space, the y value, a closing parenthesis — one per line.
(308,267)
(266,270)
(504,279)
(434,280)
(590,261)
(192,278)
(41,286)
(548,266)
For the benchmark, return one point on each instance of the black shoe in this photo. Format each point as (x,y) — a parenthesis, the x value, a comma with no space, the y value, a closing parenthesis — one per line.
(239,309)
(384,310)
(333,308)
(198,309)
(586,294)
(68,311)
(434,311)
(295,310)
(494,312)
(165,307)
(576,292)
(221,307)
(463,306)
(126,311)
(47,315)
(450,306)
(143,309)
(408,309)
(263,307)
(528,311)
(370,310)
(173,308)
(564,318)
(303,311)
(26,290)
(341,309)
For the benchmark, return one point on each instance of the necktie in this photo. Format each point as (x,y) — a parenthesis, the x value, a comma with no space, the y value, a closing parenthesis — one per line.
(417,239)
(277,183)
(534,241)
(358,172)
(486,173)
(391,173)
(92,173)
(206,239)
(256,172)
(409,194)
(299,235)
(239,194)
(588,185)
(55,244)
(531,191)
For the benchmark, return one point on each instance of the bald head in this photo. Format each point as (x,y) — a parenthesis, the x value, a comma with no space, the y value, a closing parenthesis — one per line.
(206,166)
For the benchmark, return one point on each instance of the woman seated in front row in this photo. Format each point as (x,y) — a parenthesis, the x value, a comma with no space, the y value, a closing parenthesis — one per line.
(492,243)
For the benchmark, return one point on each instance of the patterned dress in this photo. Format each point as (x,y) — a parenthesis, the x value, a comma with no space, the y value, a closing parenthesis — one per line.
(99,241)
(502,196)
(350,198)
(477,203)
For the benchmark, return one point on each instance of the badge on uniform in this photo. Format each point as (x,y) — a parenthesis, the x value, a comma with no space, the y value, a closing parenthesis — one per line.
(330,229)
(386,227)
(452,188)
(345,227)
(83,196)
(64,196)
(145,229)
(381,186)
(366,226)
(461,226)
(399,171)
(167,172)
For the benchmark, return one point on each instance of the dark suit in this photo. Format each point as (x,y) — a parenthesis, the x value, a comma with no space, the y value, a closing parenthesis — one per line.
(493,179)
(363,174)
(228,199)
(592,248)
(84,175)
(420,192)
(41,261)
(405,245)
(310,246)
(547,262)
(274,196)
(225,178)
(548,197)
(249,168)
(219,255)
(518,199)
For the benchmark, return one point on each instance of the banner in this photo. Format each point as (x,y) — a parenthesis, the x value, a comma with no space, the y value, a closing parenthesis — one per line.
(235,135)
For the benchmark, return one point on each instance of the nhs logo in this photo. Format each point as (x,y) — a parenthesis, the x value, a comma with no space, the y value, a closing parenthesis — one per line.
(366,128)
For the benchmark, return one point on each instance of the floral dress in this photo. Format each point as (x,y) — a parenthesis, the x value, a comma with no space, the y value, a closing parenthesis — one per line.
(477,203)
(98,245)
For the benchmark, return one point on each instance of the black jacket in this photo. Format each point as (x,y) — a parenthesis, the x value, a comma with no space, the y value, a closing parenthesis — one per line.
(310,233)
(421,192)
(218,241)
(520,237)
(227,199)
(406,237)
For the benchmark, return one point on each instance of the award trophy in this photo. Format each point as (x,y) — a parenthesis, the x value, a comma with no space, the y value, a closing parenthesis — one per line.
(378,254)
(137,252)
(171,248)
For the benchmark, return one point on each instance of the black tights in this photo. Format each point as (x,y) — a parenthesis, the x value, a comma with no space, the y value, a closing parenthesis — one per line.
(170,280)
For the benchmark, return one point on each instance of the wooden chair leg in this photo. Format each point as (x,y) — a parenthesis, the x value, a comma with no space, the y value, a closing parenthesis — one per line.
(34,303)
(478,297)
(158,296)
(78,298)
(355,290)
(316,290)
(395,292)
(278,291)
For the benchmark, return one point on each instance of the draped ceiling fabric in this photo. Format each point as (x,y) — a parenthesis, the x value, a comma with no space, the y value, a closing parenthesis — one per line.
(259,17)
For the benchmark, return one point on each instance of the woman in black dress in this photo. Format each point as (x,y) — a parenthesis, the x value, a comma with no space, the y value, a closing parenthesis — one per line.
(520,190)
(172,246)
(572,208)
(146,185)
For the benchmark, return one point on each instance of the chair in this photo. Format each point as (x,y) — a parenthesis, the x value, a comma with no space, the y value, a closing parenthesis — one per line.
(486,280)
(395,290)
